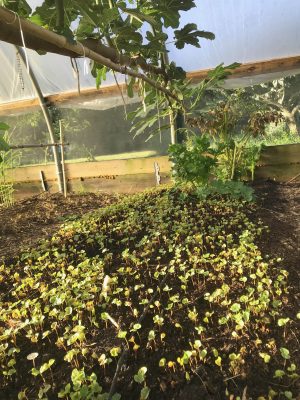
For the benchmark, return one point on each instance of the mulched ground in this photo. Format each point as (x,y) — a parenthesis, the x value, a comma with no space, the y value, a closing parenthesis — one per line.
(279,209)
(30,220)
(278,206)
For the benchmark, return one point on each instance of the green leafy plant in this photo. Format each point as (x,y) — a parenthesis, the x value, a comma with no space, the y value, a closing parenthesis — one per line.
(193,161)
(8,160)
(232,122)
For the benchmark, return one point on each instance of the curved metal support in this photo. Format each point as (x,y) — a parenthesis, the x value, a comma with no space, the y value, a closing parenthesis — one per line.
(47,117)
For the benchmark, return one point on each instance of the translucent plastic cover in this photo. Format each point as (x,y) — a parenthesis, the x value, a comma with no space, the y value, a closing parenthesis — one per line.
(246,31)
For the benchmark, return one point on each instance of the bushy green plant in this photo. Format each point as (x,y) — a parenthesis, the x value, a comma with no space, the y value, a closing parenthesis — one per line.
(8,159)
(193,161)
(235,189)
(196,162)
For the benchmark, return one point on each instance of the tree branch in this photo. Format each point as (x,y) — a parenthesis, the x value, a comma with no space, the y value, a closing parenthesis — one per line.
(60,19)
(115,56)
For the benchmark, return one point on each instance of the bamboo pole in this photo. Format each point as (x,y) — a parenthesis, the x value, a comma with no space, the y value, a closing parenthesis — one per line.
(46,116)
(29,146)
(61,41)
(173,127)
(43,181)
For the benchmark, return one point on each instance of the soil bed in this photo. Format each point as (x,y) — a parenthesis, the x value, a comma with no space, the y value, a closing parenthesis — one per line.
(279,209)
(220,320)
(30,220)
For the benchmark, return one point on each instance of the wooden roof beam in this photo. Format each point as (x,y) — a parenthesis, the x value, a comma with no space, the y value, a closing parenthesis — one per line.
(245,70)
(254,68)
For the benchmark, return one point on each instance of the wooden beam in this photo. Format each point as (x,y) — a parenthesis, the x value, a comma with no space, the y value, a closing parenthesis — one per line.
(10,18)
(109,168)
(254,68)
(22,105)
(245,70)
(10,33)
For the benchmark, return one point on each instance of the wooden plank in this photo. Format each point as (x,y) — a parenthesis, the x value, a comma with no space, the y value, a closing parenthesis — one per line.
(86,93)
(254,68)
(277,162)
(31,173)
(247,69)
(281,154)
(121,184)
(63,97)
(280,173)
(21,105)
(110,168)
(117,167)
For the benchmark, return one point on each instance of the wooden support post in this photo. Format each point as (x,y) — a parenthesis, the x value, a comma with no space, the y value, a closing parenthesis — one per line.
(43,181)
(63,159)
(157,173)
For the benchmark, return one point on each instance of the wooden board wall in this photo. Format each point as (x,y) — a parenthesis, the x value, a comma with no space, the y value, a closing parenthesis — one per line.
(98,169)
(280,163)
(123,176)
(120,184)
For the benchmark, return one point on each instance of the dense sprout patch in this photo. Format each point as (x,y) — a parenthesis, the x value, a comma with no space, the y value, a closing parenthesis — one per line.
(173,288)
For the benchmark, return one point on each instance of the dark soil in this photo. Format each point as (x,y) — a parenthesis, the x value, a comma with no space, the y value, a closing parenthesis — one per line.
(279,209)
(30,220)
(278,206)
(27,222)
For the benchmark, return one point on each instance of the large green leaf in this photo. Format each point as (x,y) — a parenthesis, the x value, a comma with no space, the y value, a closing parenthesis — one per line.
(19,6)
(139,15)
(190,35)
(3,144)
(169,10)
(101,76)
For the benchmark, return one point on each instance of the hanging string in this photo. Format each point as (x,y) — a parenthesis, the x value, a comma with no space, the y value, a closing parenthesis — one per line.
(24,45)
(85,63)
(22,37)
(19,65)
(76,72)
(121,92)
(20,72)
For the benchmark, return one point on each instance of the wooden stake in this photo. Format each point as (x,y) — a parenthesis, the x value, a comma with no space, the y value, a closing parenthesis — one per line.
(63,158)
(157,173)
(44,185)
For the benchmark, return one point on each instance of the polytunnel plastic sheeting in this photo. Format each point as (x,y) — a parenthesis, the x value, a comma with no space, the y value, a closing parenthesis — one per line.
(53,72)
(246,31)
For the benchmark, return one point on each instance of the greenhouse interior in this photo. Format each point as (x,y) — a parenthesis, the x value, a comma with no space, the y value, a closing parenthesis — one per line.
(149,199)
